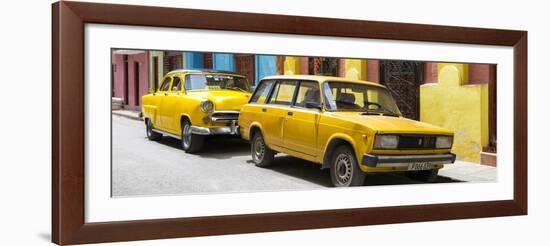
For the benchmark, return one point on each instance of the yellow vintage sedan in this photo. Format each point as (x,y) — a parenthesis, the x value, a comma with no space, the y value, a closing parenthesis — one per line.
(352,127)
(192,104)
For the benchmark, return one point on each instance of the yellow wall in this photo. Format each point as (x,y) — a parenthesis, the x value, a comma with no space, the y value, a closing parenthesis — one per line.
(356,69)
(463,108)
(292,65)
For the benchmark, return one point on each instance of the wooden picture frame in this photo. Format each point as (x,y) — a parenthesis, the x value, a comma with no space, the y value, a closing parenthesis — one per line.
(68,223)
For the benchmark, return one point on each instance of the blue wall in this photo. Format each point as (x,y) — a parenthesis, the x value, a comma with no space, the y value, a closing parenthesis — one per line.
(194,60)
(224,62)
(265,66)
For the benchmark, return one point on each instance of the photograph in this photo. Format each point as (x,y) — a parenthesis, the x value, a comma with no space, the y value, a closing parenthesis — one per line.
(203,122)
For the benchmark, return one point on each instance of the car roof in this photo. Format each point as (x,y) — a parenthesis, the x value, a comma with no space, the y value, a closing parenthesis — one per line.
(205,70)
(322,78)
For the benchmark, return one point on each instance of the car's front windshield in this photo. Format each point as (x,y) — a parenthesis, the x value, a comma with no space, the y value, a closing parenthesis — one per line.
(347,96)
(216,82)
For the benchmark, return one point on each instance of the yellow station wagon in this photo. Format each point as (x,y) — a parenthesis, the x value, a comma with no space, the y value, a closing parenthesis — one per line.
(191,104)
(352,127)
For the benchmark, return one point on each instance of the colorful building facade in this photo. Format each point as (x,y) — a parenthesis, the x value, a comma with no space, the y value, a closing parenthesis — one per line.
(460,97)
(130,76)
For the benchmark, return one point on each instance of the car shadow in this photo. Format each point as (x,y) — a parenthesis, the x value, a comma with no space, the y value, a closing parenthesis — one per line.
(226,147)
(300,169)
(217,147)
(311,172)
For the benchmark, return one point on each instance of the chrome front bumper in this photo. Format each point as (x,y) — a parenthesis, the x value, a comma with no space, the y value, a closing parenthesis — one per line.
(233,129)
(405,160)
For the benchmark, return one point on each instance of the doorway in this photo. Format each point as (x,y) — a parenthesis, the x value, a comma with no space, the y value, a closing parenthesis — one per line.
(155,74)
(323,66)
(403,79)
(136,83)
(126,82)
(244,65)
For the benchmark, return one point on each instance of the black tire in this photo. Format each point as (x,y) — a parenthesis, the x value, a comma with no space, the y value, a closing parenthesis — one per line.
(262,156)
(190,143)
(426,176)
(151,135)
(344,171)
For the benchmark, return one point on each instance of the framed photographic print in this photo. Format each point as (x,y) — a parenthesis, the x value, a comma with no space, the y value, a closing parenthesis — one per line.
(172,122)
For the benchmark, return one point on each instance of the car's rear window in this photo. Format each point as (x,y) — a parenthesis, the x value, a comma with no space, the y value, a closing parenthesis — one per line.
(215,82)
(262,92)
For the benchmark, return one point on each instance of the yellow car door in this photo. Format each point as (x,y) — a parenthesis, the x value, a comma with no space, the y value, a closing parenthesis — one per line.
(169,106)
(302,120)
(159,96)
(274,113)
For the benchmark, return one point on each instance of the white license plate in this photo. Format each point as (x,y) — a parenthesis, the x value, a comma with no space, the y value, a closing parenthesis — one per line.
(420,166)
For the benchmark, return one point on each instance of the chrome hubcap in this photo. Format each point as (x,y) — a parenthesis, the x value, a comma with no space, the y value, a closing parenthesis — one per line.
(259,149)
(343,169)
(186,138)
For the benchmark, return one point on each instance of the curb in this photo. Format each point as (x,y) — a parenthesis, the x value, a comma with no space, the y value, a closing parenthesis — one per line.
(125,114)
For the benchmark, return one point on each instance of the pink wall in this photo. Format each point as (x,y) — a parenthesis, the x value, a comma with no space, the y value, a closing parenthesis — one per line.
(430,72)
(478,73)
(373,71)
(118,77)
(142,61)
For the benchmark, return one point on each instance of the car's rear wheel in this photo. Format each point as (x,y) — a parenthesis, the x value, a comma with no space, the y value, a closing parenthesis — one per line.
(151,135)
(262,156)
(344,171)
(190,143)
(427,176)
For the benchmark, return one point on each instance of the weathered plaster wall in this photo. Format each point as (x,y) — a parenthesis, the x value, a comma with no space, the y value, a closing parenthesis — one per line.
(463,108)
(291,65)
(355,69)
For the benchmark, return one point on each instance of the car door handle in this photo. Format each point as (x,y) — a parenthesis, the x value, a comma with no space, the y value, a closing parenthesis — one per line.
(264,109)
(290,113)
(166,94)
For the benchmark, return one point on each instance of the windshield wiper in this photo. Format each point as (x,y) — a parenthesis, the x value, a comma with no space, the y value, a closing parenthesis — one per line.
(380,109)
(236,88)
(378,112)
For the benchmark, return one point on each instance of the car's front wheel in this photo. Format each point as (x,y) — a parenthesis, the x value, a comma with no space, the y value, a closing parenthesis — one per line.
(151,135)
(344,171)
(190,143)
(426,176)
(262,156)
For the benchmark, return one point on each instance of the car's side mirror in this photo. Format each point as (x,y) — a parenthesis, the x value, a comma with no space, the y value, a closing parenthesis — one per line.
(315,105)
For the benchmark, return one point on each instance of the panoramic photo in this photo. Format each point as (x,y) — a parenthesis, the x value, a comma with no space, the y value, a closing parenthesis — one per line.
(186,122)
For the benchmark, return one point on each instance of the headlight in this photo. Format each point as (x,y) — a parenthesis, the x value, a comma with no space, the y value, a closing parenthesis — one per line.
(444,142)
(386,141)
(207,106)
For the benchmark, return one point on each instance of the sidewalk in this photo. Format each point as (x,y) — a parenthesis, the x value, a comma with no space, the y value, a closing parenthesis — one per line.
(127,113)
(469,172)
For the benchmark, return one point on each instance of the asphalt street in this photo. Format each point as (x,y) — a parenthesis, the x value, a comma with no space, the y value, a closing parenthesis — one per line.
(143,167)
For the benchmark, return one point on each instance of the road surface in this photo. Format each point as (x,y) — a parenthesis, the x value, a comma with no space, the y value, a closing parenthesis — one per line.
(143,167)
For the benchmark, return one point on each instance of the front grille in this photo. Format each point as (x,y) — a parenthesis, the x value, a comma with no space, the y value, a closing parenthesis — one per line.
(416,142)
(221,116)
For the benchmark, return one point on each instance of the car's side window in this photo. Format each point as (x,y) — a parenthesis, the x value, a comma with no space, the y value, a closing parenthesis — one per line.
(262,92)
(165,84)
(176,83)
(283,93)
(308,94)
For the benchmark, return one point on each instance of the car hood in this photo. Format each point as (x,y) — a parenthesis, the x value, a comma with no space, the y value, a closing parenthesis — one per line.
(389,124)
(223,99)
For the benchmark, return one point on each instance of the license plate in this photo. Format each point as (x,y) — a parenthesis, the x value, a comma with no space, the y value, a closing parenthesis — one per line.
(420,166)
